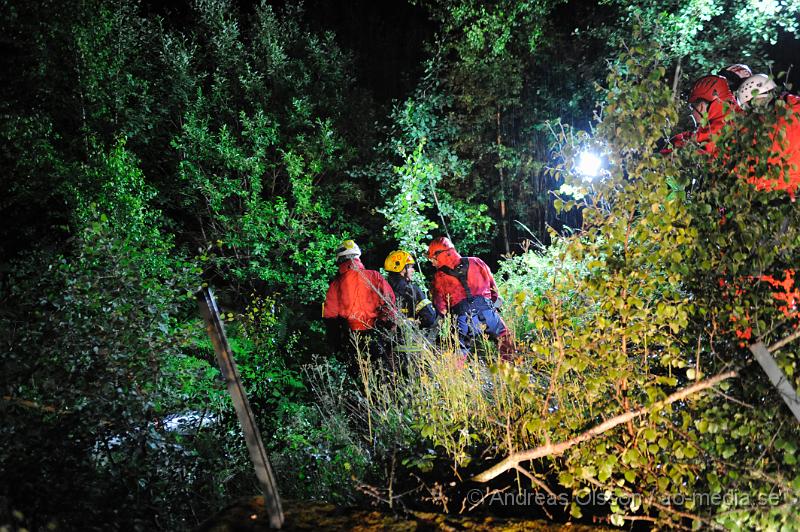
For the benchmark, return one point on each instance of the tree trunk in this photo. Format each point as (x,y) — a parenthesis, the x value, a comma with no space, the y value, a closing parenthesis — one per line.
(503,216)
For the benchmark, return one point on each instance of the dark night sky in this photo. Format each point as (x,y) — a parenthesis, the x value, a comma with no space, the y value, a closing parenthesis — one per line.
(388,37)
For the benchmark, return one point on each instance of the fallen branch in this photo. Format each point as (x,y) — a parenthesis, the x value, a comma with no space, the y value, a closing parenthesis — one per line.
(514,459)
(733,399)
(789,339)
(541,485)
(536,481)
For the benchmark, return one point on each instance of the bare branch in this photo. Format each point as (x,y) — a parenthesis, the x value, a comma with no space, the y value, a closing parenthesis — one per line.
(535,480)
(789,339)
(488,494)
(733,399)
(549,449)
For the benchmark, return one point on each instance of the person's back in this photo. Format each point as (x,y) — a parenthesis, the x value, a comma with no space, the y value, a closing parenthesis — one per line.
(363,300)
(786,146)
(465,287)
(358,295)
(760,92)
(456,274)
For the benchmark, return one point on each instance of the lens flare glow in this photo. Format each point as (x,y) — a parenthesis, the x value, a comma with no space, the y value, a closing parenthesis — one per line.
(589,164)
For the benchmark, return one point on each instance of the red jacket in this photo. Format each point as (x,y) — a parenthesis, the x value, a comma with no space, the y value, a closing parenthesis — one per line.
(704,136)
(785,151)
(360,296)
(447,290)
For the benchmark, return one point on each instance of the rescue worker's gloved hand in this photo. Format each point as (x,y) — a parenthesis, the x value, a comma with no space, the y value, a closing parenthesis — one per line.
(428,316)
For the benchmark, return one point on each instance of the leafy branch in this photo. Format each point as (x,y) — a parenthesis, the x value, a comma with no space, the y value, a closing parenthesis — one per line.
(514,459)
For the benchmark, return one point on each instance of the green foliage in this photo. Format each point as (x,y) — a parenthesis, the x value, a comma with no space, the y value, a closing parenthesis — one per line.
(708,33)
(524,280)
(115,94)
(317,452)
(260,146)
(257,234)
(470,224)
(128,139)
(258,122)
(491,81)
(414,183)
(746,251)
(114,185)
(416,201)
(677,265)
(268,107)
(507,68)
(104,322)
(652,317)
(487,40)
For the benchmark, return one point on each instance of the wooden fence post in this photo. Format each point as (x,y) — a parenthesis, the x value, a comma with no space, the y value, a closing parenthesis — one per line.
(258,455)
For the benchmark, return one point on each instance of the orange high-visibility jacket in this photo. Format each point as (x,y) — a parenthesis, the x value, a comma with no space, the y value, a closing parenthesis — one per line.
(785,151)
(358,295)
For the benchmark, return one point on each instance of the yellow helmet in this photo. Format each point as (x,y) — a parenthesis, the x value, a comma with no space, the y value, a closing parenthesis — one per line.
(397,260)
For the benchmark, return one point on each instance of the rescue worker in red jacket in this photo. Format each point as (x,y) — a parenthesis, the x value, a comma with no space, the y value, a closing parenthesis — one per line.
(711,99)
(361,298)
(465,287)
(760,91)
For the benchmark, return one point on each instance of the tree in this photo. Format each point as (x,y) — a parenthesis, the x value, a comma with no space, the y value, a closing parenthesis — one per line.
(508,68)
(635,385)
(88,339)
(673,280)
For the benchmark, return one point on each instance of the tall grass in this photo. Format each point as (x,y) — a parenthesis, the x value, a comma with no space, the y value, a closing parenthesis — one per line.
(429,403)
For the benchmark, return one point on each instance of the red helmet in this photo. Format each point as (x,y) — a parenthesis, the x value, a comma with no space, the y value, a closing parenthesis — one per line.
(710,88)
(742,71)
(439,245)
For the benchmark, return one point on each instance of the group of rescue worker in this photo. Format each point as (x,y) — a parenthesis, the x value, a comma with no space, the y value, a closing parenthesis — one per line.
(716,98)
(362,306)
(371,307)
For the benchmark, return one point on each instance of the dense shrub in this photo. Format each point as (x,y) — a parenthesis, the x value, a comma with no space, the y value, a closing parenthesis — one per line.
(86,388)
(681,263)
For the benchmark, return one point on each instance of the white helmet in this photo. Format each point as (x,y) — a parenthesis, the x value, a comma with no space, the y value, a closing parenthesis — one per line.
(348,250)
(756,90)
